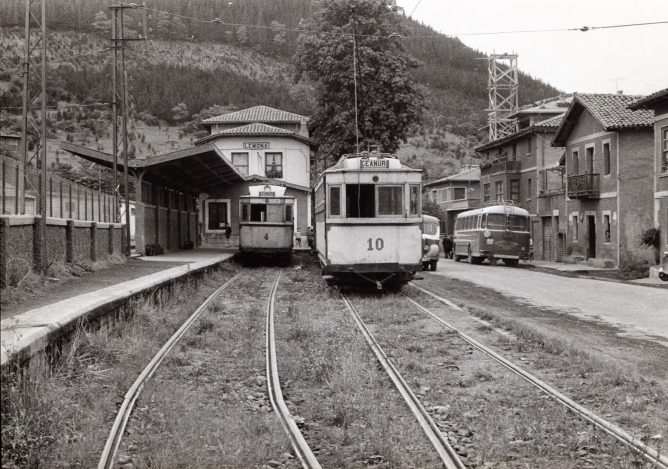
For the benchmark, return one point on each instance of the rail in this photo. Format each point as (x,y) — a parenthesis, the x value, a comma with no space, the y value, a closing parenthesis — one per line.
(115,436)
(636,445)
(300,446)
(445,451)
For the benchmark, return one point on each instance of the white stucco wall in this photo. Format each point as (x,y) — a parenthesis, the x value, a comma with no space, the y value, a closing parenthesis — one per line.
(296,164)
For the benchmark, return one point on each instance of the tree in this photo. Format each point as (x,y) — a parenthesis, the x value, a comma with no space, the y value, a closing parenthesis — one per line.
(389,102)
(180,112)
(102,22)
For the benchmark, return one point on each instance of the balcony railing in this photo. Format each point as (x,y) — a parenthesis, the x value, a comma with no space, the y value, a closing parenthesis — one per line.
(500,165)
(584,186)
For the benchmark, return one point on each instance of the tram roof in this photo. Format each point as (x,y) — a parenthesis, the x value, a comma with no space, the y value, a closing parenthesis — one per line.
(193,169)
(505,209)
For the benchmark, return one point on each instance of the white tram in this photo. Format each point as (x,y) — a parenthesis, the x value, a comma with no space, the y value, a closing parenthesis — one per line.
(266,223)
(368,220)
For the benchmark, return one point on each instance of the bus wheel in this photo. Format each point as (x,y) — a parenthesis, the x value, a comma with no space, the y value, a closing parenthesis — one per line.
(433,265)
(459,258)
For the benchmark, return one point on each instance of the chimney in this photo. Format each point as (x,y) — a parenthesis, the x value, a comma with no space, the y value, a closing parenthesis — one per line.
(303,128)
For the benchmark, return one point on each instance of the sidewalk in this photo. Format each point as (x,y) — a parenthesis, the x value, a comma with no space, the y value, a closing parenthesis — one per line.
(28,331)
(591,272)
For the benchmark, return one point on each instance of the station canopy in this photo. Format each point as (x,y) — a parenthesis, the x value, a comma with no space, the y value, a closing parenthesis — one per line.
(192,170)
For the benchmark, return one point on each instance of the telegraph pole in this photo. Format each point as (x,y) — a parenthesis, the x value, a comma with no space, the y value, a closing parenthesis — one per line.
(27,106)
(121,94)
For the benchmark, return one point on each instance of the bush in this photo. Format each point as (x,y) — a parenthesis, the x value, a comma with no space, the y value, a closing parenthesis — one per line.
(651,238)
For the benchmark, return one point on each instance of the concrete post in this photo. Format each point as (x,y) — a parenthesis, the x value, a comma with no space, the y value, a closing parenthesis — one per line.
(4,234)
(93,237)
(110,238)
(69,242)
(37,253)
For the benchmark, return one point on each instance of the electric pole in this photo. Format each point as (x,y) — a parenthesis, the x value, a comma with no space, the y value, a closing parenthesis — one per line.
(28,100)
(120,94)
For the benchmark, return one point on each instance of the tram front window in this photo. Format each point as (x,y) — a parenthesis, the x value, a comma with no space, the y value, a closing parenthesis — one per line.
(258,212)
(360,200)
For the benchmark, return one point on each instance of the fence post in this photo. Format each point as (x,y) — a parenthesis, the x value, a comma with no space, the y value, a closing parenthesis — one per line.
(60,199)
(85,205)
(93,236)
(78,204)
(70,198)
(111,238)
(4,184)
(69,242)
(50,197)
(37,234)
(4,234)
(18,191)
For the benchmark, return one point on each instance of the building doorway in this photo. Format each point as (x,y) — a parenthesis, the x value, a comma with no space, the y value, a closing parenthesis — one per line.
(548,239)
(591,236)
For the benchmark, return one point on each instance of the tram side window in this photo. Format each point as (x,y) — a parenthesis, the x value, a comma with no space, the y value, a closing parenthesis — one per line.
(518,223)
(360,200)
(288,213)
(390,200)
(335,200)
(414,200)
(496,221)
(258,212)
(244,212)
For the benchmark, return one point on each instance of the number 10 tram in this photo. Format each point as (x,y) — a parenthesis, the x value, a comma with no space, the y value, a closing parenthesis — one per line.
(368,220)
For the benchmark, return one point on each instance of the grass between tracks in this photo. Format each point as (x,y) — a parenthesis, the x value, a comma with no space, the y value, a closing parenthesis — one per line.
(64,420)
(352,414)
(491,417)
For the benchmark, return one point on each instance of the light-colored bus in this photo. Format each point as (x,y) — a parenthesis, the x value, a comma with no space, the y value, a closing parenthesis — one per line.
(495,232)
(431,237)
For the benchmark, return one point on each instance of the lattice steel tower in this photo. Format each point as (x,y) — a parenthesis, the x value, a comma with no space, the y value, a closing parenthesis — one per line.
(502,85)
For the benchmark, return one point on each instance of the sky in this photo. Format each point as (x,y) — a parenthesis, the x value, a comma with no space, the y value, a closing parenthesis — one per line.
(633,60)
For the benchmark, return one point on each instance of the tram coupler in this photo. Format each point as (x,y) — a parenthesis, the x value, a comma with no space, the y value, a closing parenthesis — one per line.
(379,285)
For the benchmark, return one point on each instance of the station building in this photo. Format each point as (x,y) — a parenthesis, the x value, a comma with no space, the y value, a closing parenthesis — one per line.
(189,197)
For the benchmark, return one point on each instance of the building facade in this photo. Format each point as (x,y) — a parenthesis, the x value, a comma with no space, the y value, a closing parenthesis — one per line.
(455,194)
(525,169)
(609,185)
(658,104)
(264,145)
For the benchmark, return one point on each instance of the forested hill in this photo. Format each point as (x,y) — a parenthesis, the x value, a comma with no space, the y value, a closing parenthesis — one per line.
(245,62)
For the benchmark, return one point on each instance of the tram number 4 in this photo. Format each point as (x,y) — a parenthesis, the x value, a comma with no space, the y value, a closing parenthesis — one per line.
(378,243)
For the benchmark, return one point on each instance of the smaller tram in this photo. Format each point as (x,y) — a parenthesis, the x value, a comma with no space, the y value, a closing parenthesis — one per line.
(266,222)
(494,232)
(368,217)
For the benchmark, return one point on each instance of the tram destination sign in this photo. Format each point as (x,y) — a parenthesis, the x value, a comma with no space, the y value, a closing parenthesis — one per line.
(256,145)
(374,164)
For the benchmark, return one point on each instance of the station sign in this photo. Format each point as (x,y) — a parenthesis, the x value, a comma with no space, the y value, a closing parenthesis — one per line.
(374,164)
(267,194)
(256,145)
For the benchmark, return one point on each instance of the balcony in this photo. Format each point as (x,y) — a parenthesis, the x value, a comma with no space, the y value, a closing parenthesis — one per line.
(499,165)
(552,182)
(584,186)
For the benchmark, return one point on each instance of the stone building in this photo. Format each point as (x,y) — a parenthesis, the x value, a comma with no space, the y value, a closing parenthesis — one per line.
(455,194)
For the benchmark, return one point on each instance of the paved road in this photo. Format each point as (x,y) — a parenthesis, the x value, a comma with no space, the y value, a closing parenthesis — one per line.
(638,310)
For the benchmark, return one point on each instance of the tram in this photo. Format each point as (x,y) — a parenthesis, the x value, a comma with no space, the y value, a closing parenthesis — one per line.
(494,232)
(266,222)
(368,220)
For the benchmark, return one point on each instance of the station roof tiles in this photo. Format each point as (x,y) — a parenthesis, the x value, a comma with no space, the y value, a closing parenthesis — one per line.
(469,175)
(611,110)
(551,123)
(256,114)
(255,129)
(648,101)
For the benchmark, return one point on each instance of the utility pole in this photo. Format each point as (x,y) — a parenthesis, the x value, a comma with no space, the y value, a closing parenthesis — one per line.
(28,100)
(120,93)
(502,86)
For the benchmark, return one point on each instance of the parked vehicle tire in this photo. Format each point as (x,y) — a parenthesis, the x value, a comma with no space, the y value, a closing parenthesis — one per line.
(474,259)
(663,276)
(511,262)
(433,265)
(459,258)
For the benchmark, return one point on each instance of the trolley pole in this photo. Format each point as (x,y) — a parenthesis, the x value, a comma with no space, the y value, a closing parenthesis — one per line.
(42,195)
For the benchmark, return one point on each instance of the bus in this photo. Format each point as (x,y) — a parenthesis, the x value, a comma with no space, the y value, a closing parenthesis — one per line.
(495,232)
(431,238)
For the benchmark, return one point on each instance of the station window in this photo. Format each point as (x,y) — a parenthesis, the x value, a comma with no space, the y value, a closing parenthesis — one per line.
(606,158)
(335,201)
(498,187)
(576,163)
(274,165)
(459,193)
(390,200)
(515,190)
(360,200)
(529,192)
(414,199)
(240,161)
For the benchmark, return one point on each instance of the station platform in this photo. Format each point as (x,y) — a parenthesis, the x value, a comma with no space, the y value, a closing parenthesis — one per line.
(26,327)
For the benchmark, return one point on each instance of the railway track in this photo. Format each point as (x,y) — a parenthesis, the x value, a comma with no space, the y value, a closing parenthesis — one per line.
(110,451)
(446,453)
(302,449)
(636,445)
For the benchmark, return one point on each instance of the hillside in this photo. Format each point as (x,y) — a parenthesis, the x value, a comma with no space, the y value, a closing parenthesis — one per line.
(202,65)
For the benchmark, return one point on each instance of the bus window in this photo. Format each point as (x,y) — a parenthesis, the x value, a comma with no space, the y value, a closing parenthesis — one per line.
(518,223)
(496,221)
